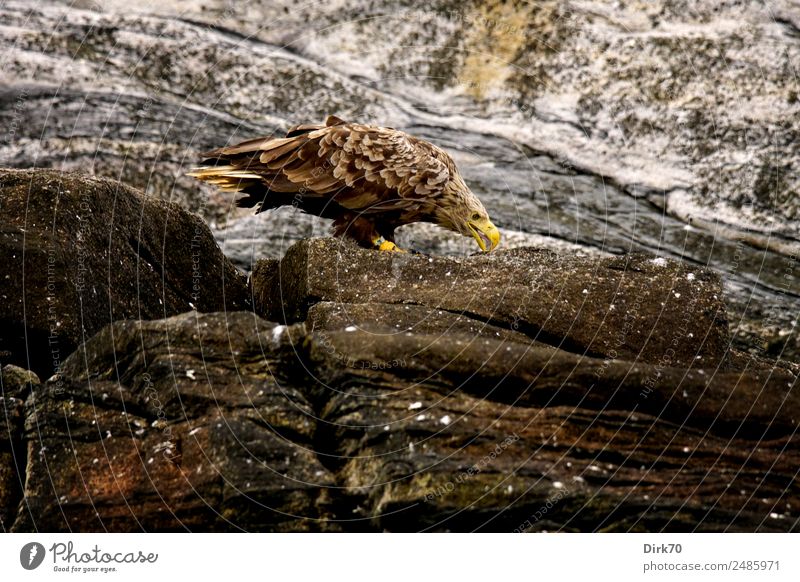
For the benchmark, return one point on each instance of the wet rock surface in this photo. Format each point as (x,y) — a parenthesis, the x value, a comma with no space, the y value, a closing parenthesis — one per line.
(447,461)
(81,252)
(205,435)
(397,319)
(223,422)
(522,390)
(633,307)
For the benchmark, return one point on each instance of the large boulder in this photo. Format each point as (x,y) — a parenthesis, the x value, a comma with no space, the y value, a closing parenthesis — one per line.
(634,307)
(80,252)
(446,440)
(190,423)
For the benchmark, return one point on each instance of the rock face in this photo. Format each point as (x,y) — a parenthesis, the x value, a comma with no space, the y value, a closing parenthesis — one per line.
(523,391)
(373,404)
(532,446)
(80,252)
(660,127)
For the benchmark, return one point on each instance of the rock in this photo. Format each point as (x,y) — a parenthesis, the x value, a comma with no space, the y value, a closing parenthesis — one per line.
(16,384)
(430,461)
(754,404)
(212,422)
(255,237)
(630,92)
(469,434)
(189,423)
(386,319)
(633,307)
(166,107)
(606,128)
(81,252)
(509,400)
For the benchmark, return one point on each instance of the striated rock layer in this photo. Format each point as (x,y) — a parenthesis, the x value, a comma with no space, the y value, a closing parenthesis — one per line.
(390,395)
(632,307)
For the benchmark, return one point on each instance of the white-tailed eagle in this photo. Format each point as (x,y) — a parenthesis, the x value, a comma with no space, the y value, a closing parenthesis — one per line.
(369,180)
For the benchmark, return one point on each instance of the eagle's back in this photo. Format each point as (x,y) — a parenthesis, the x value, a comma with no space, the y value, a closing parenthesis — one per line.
(358,167)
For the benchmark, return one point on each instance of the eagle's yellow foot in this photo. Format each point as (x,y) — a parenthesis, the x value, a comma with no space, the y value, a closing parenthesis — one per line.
(384,245)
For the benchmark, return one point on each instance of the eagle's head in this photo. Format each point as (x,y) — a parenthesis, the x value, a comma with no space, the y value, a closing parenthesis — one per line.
(463,213)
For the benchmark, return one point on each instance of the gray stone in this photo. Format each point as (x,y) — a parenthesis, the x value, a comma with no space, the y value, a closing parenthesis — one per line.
(599,128)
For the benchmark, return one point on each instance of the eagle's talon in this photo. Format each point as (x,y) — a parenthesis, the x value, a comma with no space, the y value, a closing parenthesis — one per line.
(384,245)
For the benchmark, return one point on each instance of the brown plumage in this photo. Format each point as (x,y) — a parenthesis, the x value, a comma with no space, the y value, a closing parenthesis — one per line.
(368,179)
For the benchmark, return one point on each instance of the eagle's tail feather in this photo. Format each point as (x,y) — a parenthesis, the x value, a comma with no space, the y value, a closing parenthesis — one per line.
(267,169)
(227,178)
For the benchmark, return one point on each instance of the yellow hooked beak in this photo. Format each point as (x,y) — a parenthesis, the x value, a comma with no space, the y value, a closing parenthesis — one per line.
(485,233)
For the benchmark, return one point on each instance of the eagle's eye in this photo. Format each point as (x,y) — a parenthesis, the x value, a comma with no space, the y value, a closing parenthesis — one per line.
(476,216)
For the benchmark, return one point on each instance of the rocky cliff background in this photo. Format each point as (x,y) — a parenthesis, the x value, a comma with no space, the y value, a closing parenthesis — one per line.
(669,127)
(641,160)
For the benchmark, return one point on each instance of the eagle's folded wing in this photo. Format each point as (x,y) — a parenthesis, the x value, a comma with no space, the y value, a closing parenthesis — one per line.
(363,168)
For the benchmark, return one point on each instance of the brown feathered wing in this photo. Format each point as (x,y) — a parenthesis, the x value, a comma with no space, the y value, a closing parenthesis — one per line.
(363,168)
